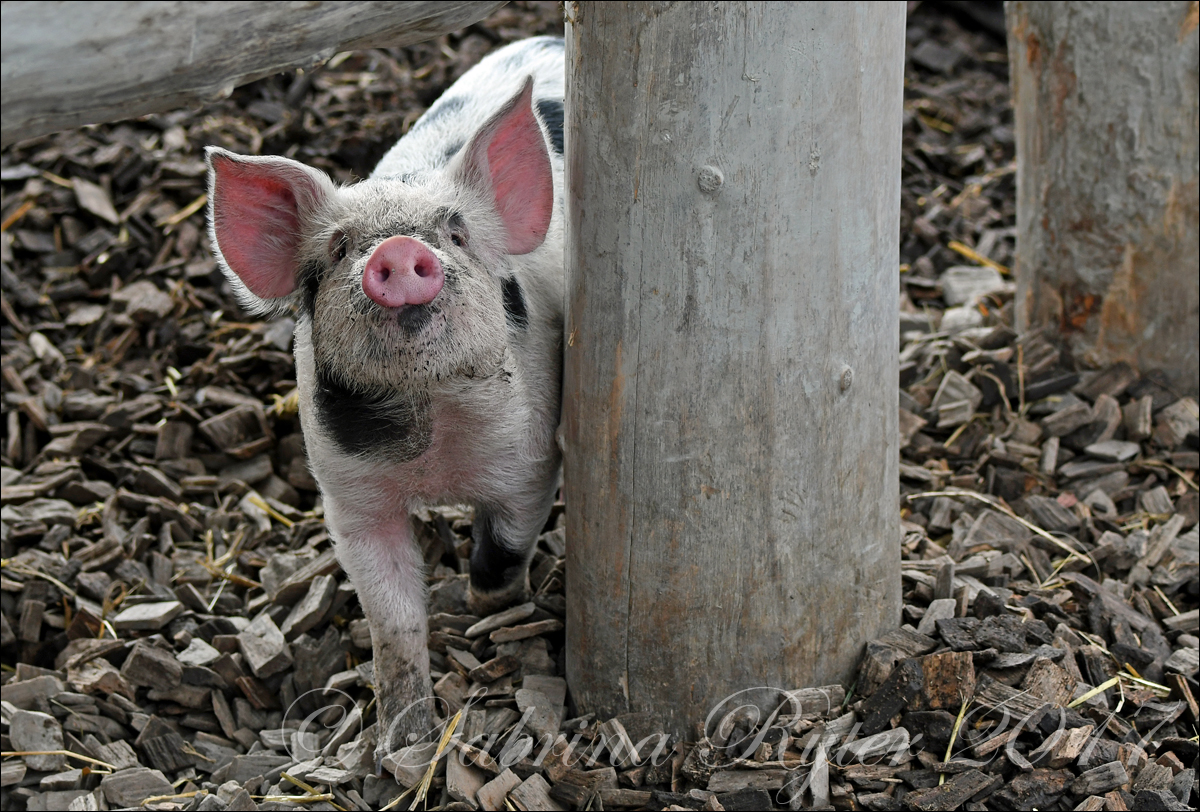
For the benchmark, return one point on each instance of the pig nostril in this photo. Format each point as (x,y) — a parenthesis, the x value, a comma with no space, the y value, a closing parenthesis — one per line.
(421,270)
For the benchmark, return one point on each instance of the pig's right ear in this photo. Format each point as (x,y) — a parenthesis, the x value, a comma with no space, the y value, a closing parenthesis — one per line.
(257,210)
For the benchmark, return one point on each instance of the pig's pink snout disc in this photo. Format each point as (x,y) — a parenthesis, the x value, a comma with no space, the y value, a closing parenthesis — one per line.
(402,271)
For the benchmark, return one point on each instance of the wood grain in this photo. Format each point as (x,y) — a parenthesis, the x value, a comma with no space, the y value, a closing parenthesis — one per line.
(1106,100)
(730,408)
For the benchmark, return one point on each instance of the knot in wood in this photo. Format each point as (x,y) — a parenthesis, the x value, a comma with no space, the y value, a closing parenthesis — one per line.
(847,378)
(710,179)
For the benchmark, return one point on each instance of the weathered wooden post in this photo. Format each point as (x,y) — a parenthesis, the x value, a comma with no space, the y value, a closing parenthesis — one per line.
(730,397)
(1108,220)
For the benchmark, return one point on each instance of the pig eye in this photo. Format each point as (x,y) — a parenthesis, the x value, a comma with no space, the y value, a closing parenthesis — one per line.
(457,229)
(337,247)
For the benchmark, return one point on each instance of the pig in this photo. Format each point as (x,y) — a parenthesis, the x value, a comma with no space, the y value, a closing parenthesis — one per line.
(428,341)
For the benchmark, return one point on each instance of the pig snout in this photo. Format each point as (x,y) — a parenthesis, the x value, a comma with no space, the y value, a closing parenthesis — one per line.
(402,271)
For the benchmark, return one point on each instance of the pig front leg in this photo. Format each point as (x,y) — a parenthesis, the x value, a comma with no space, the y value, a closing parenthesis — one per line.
(504,537)
(387,571)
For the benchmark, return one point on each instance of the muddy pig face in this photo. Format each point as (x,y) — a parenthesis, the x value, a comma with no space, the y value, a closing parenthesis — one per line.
(403,280)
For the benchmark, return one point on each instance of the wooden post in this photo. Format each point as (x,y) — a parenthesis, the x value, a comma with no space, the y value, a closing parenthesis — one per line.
(1105,96)
(70,63)
(730,395)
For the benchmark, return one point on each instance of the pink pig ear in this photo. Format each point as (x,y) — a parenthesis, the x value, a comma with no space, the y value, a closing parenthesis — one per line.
(509,155)
(257,211)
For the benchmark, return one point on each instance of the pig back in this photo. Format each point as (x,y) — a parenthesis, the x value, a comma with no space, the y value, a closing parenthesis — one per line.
(447,125)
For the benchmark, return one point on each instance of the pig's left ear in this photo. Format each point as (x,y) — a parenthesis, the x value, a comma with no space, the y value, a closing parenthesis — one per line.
(508,155)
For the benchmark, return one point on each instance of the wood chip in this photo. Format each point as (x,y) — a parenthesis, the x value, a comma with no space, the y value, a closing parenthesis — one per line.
(1100,780)
(147,616)
(34,731)
(264,647)
(492,795)
(522,632)
(129,788)
(499,620)
(534,794)
(312,608)
(953,794)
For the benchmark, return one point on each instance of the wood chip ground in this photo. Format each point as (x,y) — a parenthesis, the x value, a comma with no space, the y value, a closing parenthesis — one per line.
(172,614)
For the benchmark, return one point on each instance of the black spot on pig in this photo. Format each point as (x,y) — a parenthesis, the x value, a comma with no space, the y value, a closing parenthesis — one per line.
(493,564)
(551,113)
(514,304)
(453,149)
(442,109)
(366,426)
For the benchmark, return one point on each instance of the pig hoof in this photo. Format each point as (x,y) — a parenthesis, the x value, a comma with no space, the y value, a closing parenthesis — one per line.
(488,603)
